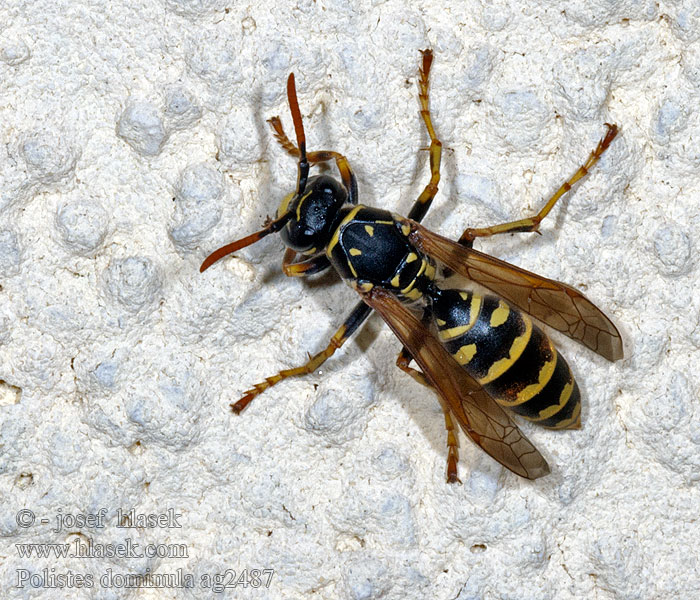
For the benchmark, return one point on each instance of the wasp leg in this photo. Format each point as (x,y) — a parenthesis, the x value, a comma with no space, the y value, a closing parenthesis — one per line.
(312,265)
(403,362)
(422,204)
(354,320)
(532,223)
(346,172)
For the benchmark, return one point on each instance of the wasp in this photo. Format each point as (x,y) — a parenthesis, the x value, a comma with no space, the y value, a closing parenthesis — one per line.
(480,353)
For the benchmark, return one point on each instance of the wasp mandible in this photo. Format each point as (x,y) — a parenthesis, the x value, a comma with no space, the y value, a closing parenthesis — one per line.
(479,353)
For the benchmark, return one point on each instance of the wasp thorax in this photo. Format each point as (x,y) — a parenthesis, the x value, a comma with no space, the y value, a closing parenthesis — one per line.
(314,214)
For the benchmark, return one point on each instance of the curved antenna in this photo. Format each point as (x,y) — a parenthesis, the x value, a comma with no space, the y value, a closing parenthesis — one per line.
(273,227)
(302,178)
(299,130)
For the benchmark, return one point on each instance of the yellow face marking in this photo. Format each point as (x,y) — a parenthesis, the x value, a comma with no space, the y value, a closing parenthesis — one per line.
(284,205)
(334,240)
(464,295)
(411,257)
(309,252)
(405,229)
(370,230)
(301,201)
(465,354)
(500,315)
(355,252)
(501,366)
(395,282)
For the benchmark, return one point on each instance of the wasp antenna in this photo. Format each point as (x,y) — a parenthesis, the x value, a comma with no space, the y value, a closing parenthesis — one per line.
(217,255)
(299,130)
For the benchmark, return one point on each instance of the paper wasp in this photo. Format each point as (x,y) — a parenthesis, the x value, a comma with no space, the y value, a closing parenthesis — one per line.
(477,352)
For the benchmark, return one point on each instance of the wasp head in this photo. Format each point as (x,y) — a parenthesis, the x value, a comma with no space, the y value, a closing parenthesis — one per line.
(313,214)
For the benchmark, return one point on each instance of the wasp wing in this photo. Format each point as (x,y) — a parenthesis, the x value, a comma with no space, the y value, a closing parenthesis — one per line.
(556,304)
(484,421)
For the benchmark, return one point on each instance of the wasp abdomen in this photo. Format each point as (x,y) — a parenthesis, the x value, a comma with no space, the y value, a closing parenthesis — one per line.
(510,356)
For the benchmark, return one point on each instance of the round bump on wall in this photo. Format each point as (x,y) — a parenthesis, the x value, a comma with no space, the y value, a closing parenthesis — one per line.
(9,252)
(141,126)
(198,207)
(672,249)
(13,51)
(82,225)
(180,109)
(134,282)
(47,155)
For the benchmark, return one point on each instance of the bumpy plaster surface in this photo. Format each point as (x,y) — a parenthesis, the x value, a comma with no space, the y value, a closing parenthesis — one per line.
(133,142)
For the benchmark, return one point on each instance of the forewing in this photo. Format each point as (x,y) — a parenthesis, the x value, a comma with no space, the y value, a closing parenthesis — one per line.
(484,421)
(556,304)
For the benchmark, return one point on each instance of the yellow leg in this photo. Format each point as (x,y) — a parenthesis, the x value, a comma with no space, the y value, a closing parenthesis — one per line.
(403,362)
(422,204)
(312,265)
(341,162)
(532,223)
(354,320)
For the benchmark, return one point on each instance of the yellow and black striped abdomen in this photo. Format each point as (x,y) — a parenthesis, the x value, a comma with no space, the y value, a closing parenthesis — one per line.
(510,356)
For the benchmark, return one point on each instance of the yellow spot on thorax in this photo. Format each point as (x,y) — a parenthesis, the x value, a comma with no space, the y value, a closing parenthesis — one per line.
(370,230)
(411,257)
(355,252)
(413,294)
(420,272)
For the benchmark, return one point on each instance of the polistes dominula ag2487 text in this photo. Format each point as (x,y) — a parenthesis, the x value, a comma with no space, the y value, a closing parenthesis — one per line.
(479,353)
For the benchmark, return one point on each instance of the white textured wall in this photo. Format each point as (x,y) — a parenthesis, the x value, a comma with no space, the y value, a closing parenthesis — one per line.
(133,142)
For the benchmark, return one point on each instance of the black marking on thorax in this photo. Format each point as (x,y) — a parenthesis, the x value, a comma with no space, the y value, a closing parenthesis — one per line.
(370,246)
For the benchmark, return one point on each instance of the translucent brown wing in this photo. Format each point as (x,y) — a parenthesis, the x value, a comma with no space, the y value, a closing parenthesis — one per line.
(556,304)
(484,421)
